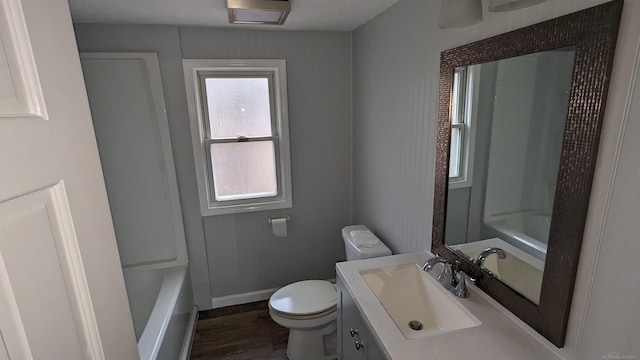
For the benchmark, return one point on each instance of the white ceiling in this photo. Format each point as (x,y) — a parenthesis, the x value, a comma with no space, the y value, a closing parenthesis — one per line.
(305,14)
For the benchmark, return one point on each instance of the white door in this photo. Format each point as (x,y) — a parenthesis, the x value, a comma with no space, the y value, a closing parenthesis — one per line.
(62,293)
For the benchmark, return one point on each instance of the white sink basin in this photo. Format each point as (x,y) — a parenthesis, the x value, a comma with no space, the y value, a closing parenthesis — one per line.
(409,294)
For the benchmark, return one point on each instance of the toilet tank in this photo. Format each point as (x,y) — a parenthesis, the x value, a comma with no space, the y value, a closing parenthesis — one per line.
(355,253)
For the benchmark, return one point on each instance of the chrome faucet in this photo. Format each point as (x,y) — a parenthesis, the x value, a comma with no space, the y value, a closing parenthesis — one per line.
(450,278)
(446,274)
(488,251)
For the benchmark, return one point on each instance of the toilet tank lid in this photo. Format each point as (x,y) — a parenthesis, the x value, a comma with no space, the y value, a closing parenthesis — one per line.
(346,231)
(363,252)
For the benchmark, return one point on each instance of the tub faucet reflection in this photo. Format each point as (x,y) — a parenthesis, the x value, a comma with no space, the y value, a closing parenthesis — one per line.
(488,251)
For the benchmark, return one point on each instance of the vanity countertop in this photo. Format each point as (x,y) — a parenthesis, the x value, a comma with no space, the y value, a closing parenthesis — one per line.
(498,337)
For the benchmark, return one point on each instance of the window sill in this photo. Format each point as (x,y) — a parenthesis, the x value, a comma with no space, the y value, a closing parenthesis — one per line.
(243,208)
(459,184)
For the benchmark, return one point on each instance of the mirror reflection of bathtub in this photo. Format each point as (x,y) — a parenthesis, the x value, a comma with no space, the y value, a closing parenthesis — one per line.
(528,231)
(519,270)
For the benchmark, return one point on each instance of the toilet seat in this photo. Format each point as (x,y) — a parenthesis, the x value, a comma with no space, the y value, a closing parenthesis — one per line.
(304,317)
(307,299)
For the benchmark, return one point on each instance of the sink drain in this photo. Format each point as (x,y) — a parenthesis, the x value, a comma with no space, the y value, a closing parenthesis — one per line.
(415,325)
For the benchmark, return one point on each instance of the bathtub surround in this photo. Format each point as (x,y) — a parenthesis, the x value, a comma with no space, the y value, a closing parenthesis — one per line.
(128,112)
(238,254)
(165,42)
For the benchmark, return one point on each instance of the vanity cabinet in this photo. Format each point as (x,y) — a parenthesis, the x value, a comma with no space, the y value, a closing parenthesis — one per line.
(355,341)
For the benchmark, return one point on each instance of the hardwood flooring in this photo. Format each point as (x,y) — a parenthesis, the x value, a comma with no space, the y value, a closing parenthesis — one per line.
(241,332)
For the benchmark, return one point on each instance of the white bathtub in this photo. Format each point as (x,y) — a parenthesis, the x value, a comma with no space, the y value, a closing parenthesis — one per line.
(528,231)
(153,296)
(519,270)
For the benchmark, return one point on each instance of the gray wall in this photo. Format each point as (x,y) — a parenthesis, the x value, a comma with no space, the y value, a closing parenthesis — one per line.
(396,66)
(234,254)
(243,253)
(395,76)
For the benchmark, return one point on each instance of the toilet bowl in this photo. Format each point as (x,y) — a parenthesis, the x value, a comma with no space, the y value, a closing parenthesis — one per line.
(309,308)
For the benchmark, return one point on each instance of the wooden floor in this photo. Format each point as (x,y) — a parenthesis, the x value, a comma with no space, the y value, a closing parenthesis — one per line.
(241,332)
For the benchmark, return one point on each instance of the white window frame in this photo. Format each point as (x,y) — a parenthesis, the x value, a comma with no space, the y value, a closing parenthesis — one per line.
(193,70)
(469,112)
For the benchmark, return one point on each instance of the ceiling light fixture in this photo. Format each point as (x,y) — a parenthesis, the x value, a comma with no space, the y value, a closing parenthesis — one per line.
(271,12)
(460,13)
(508,5)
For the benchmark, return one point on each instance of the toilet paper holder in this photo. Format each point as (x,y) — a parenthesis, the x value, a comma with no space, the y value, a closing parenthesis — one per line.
(286,217)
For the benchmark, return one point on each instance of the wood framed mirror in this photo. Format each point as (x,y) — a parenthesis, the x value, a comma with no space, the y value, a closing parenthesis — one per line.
(589,38)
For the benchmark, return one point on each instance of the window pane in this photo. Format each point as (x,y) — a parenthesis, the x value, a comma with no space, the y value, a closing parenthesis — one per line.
(456,98)
(238,106)
(244,170)
(454,155)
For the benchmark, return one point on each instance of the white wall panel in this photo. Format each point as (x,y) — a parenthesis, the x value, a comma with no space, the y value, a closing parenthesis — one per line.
(396,57)
(128,109)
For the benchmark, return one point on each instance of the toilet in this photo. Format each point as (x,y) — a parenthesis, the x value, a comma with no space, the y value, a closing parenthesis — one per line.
(308,308)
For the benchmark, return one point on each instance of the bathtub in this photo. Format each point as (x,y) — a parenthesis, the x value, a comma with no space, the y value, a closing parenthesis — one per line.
(519,270)
(528,231)
(154,296)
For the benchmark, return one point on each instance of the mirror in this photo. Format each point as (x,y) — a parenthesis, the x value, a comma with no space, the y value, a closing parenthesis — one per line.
(519,119)
(506,139)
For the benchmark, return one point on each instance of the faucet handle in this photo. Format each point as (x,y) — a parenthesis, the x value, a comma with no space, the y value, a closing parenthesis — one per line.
(460,289)
(456,266)
(446,276)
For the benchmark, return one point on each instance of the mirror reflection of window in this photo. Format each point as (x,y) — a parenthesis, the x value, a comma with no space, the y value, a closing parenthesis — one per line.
(462,131)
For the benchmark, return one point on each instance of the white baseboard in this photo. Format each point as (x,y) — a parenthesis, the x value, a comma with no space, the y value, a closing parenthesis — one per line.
(188,336)
(244,298)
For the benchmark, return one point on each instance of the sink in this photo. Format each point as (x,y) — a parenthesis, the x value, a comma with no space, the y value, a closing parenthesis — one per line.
(410,295)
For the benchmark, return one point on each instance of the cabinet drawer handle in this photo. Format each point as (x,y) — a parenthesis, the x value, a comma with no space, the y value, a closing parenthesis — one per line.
(353,332)
(359,345)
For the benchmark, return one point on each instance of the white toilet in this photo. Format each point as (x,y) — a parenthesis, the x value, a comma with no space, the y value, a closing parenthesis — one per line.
(308,308)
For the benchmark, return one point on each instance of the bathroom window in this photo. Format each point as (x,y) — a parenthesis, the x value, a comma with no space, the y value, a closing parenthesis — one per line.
(461,150)
(239,121)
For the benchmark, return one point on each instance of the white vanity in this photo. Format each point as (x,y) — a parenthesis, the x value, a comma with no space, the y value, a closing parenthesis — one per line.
(485,330)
